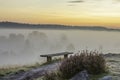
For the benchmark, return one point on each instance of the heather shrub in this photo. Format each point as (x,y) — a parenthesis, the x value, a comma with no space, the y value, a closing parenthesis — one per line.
(93,62)
(52,76)
(49,76)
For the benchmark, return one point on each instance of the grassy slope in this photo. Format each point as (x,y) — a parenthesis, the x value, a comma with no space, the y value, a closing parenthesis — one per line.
(12,70)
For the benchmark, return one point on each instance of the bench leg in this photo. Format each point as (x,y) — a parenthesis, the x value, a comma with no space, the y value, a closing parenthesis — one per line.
(66,56)
(49,59)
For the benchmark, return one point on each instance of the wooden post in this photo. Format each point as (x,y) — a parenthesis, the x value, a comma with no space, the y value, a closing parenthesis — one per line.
(49,59)
(66,56)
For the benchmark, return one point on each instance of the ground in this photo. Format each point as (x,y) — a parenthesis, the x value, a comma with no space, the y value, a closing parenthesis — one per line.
(113,64)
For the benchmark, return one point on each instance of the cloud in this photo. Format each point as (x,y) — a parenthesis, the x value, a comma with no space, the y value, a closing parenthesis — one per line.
(76,1)
(117,0)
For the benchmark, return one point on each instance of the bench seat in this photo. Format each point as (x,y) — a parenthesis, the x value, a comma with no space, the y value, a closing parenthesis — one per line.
(49,56)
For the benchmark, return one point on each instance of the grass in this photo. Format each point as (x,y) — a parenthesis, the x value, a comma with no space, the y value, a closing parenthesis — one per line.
(97,77)
(112,61)
(52,77)
(92,61)
(17,69)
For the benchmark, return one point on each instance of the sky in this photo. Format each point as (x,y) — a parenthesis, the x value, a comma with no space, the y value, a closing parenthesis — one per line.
(65,12)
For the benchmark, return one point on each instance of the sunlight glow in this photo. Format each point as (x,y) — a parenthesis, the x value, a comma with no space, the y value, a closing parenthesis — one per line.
(88,12)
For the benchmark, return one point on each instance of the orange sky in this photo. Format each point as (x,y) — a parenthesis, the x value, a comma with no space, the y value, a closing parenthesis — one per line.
(69,12)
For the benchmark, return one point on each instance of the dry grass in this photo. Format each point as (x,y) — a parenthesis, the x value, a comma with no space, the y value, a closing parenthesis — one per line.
(92,61)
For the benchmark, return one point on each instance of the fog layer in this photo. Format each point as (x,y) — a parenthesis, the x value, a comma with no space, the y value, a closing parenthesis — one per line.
(22,47)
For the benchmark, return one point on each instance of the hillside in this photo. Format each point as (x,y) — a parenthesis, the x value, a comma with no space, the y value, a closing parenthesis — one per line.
(52,26)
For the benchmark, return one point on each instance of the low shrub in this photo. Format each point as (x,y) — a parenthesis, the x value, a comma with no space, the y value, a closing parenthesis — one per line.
(93,62)
(49,76)
(52,76)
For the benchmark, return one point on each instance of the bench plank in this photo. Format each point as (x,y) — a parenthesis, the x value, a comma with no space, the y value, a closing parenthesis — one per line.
(49,56)
(56,54)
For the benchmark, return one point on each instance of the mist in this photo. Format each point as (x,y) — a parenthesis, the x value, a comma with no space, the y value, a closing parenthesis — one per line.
(18,49)
(22,47)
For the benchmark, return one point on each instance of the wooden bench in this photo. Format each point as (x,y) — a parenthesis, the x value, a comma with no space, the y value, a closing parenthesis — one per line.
(49,56)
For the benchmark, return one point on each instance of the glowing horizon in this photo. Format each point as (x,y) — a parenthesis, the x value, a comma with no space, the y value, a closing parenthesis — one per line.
(65,12)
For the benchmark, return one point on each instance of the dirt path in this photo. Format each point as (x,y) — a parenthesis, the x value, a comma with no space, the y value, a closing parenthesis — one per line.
(31,74)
